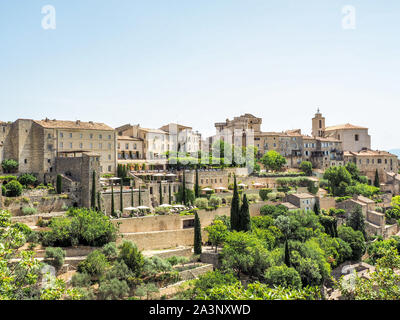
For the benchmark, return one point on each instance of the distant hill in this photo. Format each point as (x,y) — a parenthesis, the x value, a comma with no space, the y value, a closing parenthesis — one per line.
(396,152)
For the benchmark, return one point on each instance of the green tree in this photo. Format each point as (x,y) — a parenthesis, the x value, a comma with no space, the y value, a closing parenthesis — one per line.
(184,198)
(95,264)
(338,180)
(27,179)
(376,180)
(287,254)
(132,197)
(196,185)
(306,167)
(317,209)
(282,276)
(13,189)
(235,210)
(121,198)
(93,200)
(140,195)
(113,289)
(9,165)
(355,239)
(161,195)
(59,184)
(99,201)
(197,234)
(112,200)
(244,216)
(357,220)
(217,232)
(273,160)
(169,194)
(264,193)
(132,257)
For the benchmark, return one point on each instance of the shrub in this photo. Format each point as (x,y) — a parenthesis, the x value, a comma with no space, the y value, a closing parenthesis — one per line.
(201,203)
(133,258)
(27,211)
(110,251)
(14,189)
(282,276)
(215,201)
(27,179)
(9,165)
(253,197)
(95,264)
(81,226)
(33,237)
(264,193)
(113,289)
(306,167)
(355,239)
(272,196)
(54,257)
(81,280)
(174,260)
(23,228)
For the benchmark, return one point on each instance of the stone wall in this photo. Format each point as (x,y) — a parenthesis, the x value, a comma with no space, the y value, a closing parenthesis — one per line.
(126,196)
(327,203)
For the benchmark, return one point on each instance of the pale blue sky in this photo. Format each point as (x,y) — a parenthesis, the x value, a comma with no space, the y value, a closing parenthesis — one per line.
(199,62)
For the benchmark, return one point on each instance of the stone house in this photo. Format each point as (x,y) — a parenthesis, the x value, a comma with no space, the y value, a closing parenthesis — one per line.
(303,201)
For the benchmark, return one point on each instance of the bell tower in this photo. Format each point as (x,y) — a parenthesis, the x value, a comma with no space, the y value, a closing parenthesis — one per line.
(318,125)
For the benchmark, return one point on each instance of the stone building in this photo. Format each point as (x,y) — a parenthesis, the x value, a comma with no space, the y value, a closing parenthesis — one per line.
(182,138)
(354,138)
(35,145)
(303,201)
(368,161)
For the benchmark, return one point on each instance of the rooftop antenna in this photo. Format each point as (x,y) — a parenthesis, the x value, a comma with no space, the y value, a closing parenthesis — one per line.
(317,109)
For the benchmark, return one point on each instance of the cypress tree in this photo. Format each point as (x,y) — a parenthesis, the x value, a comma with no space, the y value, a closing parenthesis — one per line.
(93,200)
(287,254)
(161,196)
(121,199)
(376,180)
(244,216)
(235,207)
(112,200)
(132,201)
(196,185)
(169,194)
(59,184)
(357,221)
(140,195)
(99,201)
(197,234)
(317,210)
(183,188)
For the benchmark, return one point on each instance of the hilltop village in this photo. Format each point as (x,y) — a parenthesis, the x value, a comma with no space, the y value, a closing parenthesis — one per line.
(139,213)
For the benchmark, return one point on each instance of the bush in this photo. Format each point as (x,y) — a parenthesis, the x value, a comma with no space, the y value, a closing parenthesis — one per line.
(174,260)
(355,239)
(133,258)
(95,264)
(215,201)
(81,226)
(27,211)
(272,196)
(14,189)
(162,210)
(9,165)
(54,257)
(201,203)
(81,280)
(110,251)
(23,228)
(113,289)
(27,179)
(33,237)
(306,167)
(253,197)
(264,193)
(282,276)
(273,211)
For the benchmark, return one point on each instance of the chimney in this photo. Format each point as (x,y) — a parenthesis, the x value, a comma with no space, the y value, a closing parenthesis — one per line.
(78,122)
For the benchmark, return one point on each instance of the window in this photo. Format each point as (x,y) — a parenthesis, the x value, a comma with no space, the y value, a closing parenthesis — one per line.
(109,168)
(70,145)
(109,157)
(100,136)
(48,135)
(320,124)
(91,145)
(134,146)
(61,145)
(81,136)
(127,146)
(356,137)
(100,146)
(70,135)
(61,135)
(379,161)
(81,145)
(109,137)
(109,146)
(91,136)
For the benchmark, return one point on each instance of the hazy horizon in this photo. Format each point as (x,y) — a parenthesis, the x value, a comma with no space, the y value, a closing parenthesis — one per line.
(197,63)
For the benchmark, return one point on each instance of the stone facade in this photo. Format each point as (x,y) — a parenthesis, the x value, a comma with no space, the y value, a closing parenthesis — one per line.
(35,145)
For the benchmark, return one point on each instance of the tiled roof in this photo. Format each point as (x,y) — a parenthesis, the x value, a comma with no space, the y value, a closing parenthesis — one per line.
(344,127)
(64,124)
(153,130)
(369,153)
(128,138)
(303,195)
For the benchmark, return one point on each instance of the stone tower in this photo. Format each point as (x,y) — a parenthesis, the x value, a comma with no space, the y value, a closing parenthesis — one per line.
(318,125)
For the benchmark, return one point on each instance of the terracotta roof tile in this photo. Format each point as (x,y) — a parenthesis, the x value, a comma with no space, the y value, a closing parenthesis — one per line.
(65,124)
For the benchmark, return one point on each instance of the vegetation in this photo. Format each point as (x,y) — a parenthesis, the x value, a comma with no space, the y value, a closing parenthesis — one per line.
(273,160)
(59,184)
(197,234)
(27,179)
(306,167)
(9,165)
(13,189)
(235,210)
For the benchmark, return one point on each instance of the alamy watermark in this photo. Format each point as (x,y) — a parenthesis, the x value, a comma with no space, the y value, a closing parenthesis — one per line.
(49,20)
(349,17)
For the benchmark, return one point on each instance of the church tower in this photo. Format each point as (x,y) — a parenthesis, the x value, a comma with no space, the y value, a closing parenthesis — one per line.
(318,125)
